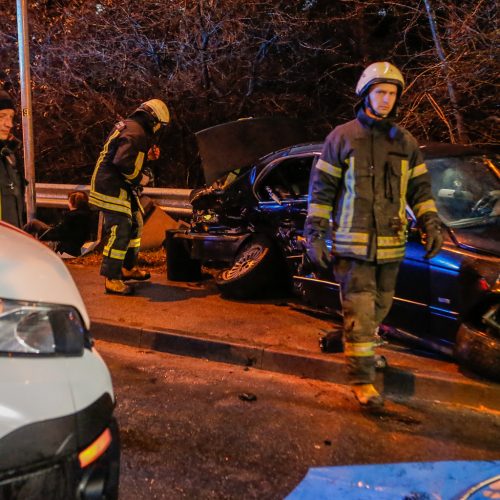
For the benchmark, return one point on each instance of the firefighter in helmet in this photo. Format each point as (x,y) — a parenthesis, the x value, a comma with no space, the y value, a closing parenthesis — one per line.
(118,178)
(369,170)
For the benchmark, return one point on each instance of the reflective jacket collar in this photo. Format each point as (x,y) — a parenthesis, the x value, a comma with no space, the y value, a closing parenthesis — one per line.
(385,126)
(369,122)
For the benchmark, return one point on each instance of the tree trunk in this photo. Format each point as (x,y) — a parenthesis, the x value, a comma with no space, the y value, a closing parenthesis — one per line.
(462,135)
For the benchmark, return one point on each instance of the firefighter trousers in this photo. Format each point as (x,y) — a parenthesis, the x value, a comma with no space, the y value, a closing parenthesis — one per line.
(366,292)
(122,240)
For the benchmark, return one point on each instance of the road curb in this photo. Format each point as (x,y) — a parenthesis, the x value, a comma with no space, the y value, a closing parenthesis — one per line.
(396,382)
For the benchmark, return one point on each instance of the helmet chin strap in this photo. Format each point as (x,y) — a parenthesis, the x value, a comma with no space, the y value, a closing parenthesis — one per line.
(368,104)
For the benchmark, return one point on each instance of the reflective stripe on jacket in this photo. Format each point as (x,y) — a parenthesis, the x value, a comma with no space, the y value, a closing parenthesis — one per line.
(119,167)
(363,180)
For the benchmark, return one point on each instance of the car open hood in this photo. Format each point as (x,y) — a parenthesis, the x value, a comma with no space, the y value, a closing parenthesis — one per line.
(237,144)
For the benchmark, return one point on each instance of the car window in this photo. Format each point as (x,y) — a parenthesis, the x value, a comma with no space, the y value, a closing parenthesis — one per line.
(465,187)
(288,179)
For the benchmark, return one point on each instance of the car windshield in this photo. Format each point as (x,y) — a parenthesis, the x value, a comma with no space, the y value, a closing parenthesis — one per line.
(466,189)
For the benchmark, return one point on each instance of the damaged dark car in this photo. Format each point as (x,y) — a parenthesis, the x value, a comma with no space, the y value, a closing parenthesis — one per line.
(249,220)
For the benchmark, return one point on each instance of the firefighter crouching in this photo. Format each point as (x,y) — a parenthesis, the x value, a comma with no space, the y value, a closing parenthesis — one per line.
(368,171)
(118,178)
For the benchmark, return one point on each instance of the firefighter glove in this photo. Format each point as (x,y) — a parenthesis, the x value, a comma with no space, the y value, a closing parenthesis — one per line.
(432,238)
(315,231)
(318,253)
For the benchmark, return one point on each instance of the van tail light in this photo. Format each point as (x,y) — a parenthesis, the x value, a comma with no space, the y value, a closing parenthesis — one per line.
(95,449)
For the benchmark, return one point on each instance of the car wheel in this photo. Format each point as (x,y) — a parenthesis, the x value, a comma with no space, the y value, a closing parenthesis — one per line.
(180,265)
(479,351)
(256,271)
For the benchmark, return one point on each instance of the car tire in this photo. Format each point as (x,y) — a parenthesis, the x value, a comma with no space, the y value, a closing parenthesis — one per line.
(180,265)
(478,351)
(256,271)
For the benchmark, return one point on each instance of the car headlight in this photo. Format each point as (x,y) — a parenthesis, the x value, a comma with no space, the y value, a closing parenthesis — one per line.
(33,328)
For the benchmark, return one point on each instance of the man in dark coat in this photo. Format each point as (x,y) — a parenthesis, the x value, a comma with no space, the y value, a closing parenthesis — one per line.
(370,169)
(12,207)
(118,178)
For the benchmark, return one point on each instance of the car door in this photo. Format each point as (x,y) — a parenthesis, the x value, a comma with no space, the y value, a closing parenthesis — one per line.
(426,298)
(410,310)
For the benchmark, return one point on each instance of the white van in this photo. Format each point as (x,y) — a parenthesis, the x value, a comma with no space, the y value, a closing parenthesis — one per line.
(58,436)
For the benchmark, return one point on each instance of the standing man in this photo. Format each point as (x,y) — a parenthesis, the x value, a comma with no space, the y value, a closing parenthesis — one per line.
(12,206)
(368,171)
(118,178)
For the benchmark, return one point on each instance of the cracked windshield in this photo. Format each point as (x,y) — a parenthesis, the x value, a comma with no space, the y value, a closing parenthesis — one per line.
(467,189)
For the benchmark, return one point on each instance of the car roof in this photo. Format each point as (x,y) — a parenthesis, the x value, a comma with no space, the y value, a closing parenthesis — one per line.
(296,149)
(439,150)
(430,150)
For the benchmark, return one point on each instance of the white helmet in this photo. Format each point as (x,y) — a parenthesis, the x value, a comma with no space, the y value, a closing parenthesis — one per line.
(380,72)
(158,109)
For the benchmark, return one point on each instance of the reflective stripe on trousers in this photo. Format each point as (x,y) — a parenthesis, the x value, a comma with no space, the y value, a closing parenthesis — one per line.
(122,239)
(367,290)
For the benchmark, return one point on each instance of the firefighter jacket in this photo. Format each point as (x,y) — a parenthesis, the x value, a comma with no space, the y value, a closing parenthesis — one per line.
(118,171)
(367,173)
(12,184)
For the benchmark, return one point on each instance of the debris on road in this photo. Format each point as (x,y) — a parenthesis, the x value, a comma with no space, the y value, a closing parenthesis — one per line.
(248,396)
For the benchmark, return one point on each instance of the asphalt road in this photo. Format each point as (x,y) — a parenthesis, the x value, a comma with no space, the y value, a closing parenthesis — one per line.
(190,428)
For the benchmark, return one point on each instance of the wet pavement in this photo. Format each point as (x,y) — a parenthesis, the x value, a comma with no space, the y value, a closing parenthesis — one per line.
(190,430)
(277,335)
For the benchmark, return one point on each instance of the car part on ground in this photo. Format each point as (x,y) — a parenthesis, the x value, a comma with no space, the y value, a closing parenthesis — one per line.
(479,350)
(180,265)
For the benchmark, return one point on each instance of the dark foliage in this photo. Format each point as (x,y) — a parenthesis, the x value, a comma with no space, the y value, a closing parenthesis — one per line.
(219,60)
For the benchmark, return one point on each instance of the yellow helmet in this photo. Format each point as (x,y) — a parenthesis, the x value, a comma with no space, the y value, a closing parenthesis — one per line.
(158,109)
(380,72)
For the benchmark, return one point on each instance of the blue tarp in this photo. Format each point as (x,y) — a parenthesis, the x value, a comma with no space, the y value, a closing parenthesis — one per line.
(457,480)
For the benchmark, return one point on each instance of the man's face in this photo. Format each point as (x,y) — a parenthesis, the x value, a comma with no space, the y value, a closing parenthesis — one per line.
(382,98)
(6,123)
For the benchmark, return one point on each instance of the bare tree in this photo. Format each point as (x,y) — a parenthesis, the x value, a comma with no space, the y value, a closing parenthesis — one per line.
(446,71)
(93,61)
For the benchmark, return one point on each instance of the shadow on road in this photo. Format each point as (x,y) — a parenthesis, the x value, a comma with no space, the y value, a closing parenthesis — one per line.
(168,292)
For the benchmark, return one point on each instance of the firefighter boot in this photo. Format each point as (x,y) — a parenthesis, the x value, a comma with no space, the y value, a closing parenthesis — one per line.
(135,274)
(367,396)
(117,287)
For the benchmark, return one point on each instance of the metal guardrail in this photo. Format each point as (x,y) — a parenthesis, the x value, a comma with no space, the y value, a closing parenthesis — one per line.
(173,201)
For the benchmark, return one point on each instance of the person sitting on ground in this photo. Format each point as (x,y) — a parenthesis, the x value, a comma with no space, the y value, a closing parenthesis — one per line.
(73,230)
